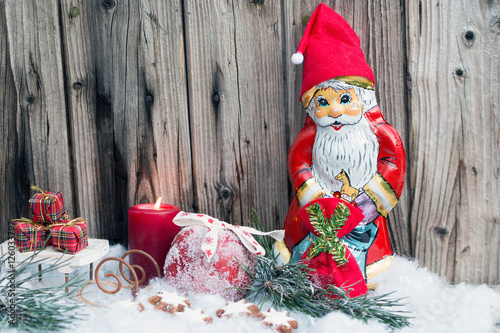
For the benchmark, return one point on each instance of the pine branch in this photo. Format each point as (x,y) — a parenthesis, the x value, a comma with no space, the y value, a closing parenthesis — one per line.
(264,241)
(289,287)
(30,309)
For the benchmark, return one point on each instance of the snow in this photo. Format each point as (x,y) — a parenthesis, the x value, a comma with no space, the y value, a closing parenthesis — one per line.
(434,304)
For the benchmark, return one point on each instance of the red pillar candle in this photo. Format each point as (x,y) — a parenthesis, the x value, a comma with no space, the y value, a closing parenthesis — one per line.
(150,229)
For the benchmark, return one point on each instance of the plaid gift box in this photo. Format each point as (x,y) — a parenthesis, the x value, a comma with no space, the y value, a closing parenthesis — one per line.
(70,237)
(47,207)
(28,235)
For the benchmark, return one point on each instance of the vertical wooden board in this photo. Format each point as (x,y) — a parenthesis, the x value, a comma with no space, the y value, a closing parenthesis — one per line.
(13,189)
(163,69)
(434,135)
(478,208)
(214,103)
(295,16)
(141,94)
(121,106)
(454,138)
(81,93)
(262,117)
(386,55)
(112,176)
(36,62)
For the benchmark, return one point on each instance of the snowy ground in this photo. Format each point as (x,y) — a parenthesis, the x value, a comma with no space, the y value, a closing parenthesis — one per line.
(435,306)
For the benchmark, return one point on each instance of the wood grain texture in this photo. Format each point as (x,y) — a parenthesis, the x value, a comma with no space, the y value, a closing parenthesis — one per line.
(11,176)
(36,62)
(236,109)
(197,102)
(162,70)
(262,117)
(386,54)
(454,137)
(212,75)
(112,175)
(81,106)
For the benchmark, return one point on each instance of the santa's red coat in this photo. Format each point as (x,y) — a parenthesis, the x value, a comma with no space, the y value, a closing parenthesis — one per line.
(390,170)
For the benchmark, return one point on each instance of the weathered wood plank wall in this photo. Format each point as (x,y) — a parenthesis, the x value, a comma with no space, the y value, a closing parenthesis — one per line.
(454,65)
(118,102)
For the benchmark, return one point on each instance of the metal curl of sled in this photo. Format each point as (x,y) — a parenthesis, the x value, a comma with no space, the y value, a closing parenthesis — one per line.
(143,273)
(135,282)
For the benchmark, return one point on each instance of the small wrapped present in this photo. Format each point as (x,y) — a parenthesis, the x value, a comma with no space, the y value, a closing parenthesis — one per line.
(47,207)
(28,235)
(69,236)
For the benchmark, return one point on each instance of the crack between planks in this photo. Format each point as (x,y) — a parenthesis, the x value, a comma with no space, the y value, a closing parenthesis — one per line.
(66,94)
(184,21)
(239,102)
(407,101)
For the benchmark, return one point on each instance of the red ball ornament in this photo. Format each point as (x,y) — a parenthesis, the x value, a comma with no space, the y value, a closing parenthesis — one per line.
(188,269)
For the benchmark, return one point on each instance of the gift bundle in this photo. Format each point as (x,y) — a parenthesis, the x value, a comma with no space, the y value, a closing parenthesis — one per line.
(51,225)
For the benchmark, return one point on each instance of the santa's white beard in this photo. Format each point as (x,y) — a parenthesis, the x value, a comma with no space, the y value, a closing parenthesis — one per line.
(354,148)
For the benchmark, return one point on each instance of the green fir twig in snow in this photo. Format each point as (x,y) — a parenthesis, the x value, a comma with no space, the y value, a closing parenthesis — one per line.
(30,309)
(289,287)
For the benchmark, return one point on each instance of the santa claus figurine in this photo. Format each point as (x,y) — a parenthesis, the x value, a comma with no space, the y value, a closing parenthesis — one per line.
(346,149)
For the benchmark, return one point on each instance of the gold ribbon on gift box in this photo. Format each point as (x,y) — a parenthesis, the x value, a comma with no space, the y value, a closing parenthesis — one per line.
(45,196)
(77,221)
(32,239)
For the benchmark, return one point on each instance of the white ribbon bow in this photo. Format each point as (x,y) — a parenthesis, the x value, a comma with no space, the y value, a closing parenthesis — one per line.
(209,244)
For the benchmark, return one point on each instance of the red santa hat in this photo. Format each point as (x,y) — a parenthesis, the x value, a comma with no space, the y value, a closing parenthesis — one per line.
(331,49)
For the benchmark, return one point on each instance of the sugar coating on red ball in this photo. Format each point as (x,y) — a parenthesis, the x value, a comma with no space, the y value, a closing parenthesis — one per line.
(188,269)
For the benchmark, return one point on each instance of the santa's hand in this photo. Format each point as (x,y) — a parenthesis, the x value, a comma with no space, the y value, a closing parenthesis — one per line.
(368,208)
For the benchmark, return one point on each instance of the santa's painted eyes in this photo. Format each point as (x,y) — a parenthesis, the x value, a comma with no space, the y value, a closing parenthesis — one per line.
(322,101)
(345,98)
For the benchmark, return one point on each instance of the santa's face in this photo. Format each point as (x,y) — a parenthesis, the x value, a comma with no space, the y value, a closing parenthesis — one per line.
(336,108)
(344,142)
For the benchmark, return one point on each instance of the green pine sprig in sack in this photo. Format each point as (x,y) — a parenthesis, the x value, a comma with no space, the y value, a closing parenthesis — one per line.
(289,286)
(328,241)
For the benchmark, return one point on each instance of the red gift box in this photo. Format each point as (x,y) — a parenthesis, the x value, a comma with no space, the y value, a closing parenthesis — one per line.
(47,207)
(29,236)
(70,237)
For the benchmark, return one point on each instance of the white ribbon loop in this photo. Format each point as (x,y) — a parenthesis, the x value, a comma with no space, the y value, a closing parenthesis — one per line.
(209,245)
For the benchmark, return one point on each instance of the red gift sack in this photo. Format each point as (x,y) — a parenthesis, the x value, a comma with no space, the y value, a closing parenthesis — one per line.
(327,269)
(70,237)
(47,207)
(29,236)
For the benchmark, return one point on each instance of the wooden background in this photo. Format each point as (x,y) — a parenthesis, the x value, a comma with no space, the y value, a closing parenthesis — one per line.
(116,102)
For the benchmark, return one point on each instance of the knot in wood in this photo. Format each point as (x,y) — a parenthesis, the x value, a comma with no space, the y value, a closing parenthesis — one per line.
(459,72)
(441,232)
(30,99)
(149,99)
(78,85)
(216,97)
(225,193)
(108,4)
(469,37)
(74,11)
